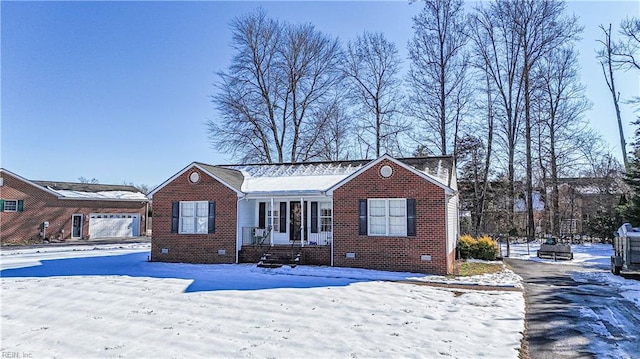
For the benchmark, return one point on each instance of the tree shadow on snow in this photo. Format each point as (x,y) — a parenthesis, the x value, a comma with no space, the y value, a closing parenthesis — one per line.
(203,277)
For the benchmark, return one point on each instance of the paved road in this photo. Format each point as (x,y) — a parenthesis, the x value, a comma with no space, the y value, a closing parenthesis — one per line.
(567,319)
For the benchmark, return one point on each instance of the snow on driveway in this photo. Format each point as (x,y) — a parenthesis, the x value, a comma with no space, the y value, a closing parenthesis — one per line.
(609,304)
(112,302)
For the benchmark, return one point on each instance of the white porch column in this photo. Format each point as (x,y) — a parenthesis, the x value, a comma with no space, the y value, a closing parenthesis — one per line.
(302,222)
(271,224)
(333,236)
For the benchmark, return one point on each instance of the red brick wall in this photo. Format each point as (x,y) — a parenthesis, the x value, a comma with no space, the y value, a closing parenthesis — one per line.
(310,255)
(195,248)
(41,206)
(391,253)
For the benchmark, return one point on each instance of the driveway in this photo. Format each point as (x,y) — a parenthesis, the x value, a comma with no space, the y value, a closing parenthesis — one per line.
(571,319)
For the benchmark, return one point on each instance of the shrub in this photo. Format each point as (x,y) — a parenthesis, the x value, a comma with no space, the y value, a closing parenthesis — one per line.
(487,248)
(467,246)
(484,248)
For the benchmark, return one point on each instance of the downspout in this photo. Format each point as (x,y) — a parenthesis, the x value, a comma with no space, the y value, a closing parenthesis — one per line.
(333,231)
(446,227)
(238,230)
(271,224)
(146,219)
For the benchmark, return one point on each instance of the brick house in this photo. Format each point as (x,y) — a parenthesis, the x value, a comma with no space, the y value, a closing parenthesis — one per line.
(37,210)
(387,213)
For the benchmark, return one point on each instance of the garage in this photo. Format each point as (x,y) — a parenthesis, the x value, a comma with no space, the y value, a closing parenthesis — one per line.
(103,225)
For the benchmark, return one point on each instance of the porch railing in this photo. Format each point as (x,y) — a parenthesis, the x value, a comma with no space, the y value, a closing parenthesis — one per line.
(255,236)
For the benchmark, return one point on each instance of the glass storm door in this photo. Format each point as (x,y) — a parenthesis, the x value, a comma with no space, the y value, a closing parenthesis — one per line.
(76,228)
(295,220)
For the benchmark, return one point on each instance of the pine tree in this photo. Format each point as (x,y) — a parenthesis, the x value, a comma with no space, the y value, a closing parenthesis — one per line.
(630,211)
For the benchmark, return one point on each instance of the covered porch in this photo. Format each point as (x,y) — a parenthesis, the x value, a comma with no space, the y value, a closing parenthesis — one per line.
(286,226)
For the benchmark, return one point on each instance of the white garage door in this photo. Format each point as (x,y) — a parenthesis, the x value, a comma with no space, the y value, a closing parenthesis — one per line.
(114,225)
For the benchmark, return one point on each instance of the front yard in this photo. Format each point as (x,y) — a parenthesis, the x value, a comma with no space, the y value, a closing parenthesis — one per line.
(113,303)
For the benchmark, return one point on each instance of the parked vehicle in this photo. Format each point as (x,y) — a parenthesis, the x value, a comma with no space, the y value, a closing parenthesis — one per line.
(551,249)
(626,246)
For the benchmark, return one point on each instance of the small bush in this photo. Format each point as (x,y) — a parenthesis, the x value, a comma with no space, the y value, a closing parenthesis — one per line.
(466,246)
(484,248)
(487,248)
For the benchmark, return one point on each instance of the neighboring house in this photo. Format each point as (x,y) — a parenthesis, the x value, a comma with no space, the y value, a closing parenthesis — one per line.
(387,214)
(35,210)
(580,201)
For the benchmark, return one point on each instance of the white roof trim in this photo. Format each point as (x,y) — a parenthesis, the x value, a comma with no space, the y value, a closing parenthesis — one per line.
(61,196)
(190,166)
(52,192)
(447,189)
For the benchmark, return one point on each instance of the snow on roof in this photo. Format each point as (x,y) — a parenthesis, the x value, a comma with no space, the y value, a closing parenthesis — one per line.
(109,195)
(293,177)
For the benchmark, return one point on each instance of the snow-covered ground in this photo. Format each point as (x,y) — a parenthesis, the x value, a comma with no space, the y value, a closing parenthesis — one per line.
(592,261)
(108,301)
(610,304)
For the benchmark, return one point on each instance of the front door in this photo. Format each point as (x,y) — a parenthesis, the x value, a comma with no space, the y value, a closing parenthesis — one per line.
(295,220)
(76,226)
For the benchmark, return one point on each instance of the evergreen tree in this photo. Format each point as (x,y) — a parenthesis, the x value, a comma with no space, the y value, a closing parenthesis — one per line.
(630,211)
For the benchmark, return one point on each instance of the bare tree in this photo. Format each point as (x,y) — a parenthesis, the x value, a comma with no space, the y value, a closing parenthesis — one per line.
(82,179)
(541,27)
(497,53)
(280,74)
(335,141)
(607,60)
(627,49)
(310,62)
(372,66)
(438,92)
(559,108)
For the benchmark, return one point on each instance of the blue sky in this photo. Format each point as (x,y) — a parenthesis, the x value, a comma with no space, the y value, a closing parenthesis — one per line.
(120,91)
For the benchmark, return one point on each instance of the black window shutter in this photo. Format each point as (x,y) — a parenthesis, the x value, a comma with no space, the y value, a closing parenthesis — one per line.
(362,217)
(283,217)
(411,217)
(175,214)
(314,217)
(262,210)
(20,205)
(1,205)
(212,217)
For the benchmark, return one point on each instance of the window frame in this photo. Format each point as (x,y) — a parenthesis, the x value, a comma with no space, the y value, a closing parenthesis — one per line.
(373,217)
(321,225)
(204,226)
(15,202)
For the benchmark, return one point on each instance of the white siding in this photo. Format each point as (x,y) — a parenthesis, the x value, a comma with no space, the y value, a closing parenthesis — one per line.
(246,218)
(452,223)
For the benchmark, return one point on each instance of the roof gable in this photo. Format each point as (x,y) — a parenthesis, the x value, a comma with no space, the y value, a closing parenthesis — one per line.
(228,177)
(32,183)
(85,191)
(440,182)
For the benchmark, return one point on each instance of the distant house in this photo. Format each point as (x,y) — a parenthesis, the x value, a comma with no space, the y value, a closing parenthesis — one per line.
(581,200)
(387,213)
(35,210)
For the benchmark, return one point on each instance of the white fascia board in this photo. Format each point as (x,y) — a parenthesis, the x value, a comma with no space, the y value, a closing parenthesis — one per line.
(50,191)
(286,195)
(190,166)
(141,200)
(369,165)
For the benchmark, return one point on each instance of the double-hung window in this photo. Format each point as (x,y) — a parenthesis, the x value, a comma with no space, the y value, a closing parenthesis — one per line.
(10,206)
(325,217)
(193,217)
(387,217)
